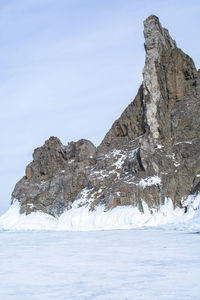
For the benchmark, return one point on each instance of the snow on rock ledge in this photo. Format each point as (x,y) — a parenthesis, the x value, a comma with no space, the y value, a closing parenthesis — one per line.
(150,181)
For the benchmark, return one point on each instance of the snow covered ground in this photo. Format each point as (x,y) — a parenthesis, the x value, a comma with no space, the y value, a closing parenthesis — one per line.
(77,256)
(138,264)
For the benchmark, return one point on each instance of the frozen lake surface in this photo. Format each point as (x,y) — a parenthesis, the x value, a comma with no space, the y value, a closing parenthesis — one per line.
(119,264)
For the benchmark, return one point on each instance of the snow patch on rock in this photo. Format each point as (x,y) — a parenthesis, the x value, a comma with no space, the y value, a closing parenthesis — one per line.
(118,164)
(150,181)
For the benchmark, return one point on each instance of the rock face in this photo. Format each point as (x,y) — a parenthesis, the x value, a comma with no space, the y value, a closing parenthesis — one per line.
(151,153)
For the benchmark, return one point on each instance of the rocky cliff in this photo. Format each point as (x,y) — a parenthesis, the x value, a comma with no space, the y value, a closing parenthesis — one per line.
(150,154)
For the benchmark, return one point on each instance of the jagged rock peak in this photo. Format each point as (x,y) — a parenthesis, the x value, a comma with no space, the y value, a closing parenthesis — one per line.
(53,142)
(157,42)
(142,115)
(156,36)
(168,74)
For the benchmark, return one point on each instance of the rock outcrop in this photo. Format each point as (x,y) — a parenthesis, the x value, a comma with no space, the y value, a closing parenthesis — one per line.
(150,154)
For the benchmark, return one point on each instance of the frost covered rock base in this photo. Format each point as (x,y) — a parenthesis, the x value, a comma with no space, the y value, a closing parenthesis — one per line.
(150,154)
(126,217)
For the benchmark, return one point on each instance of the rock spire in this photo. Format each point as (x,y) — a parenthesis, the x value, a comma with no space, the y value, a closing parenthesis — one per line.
(150,154)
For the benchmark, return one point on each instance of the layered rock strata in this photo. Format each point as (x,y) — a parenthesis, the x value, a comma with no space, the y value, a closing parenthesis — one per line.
(150,154)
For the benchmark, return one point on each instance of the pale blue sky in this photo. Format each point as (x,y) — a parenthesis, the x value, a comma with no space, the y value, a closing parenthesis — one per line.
(70,67)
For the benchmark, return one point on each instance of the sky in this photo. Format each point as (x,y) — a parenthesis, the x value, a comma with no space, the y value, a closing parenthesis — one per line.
(70,67)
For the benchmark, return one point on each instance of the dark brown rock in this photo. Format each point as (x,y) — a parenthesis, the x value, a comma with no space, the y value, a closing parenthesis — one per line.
(56,176)
(151,153)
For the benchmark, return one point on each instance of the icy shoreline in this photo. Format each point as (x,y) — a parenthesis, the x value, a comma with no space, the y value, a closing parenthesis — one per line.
(124,217)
